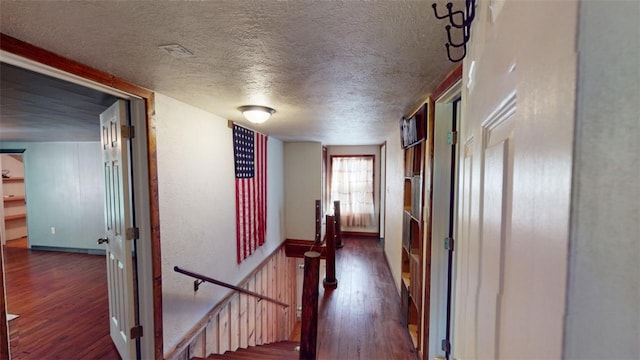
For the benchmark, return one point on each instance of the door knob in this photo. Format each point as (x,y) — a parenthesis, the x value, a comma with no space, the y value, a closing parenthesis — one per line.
(103,240)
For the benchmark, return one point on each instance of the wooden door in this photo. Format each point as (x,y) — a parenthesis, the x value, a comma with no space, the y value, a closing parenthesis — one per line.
(118,242)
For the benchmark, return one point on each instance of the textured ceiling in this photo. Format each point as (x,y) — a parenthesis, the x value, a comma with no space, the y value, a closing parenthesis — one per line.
(339,72)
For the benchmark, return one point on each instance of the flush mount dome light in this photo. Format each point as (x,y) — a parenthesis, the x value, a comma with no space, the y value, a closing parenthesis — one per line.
(256,114)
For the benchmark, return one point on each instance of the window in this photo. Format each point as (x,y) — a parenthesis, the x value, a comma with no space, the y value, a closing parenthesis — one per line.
(352,184)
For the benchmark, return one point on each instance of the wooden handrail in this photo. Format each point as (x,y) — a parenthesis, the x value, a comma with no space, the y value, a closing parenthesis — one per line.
(228,286)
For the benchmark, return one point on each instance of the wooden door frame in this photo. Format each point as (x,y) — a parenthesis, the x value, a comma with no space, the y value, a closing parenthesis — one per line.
(87,76)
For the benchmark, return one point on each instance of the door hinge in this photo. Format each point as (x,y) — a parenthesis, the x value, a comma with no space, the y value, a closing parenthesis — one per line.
(446,346)
(452,137)
(448,243)
(133,233)
(127,132)
(136,332)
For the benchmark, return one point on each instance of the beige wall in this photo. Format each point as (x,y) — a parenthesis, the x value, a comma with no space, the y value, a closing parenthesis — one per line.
(516,139)
(394,206)
(303,186)
(197,211)
(603,305)
(360,150)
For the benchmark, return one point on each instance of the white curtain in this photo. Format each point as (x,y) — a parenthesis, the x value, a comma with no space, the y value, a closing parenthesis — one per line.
(352,184)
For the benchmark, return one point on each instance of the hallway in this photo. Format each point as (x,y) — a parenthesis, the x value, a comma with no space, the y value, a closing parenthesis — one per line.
(358,320)
(361,318)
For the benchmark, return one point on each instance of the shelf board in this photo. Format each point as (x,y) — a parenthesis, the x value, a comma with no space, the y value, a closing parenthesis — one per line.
(413,331)
(13,179)
(15,217)
(13,198)
(406,280)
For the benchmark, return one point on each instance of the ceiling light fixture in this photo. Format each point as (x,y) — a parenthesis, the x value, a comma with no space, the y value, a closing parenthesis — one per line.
(255,113)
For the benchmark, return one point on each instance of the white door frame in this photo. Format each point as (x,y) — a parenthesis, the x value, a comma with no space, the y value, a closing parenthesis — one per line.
(441,206)
(139,181)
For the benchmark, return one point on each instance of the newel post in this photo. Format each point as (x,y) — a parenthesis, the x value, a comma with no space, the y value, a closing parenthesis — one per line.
(310,292)
(330,281)
(318,240)
(338,228)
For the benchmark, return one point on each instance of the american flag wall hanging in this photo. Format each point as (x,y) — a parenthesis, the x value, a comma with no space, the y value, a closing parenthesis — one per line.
(250,158)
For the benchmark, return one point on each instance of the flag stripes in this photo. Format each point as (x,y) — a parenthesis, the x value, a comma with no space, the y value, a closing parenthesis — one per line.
(250,158)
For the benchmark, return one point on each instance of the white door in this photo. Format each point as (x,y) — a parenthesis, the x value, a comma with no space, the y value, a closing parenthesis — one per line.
(515,180)
(117,221)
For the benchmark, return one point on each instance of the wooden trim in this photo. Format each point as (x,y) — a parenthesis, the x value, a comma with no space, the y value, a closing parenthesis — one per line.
(4,325)
(15,217)
(13,179)
(426,259)
(48,58)
(154,218)
(361,234)
(451,79)
(296,248)
(31,52)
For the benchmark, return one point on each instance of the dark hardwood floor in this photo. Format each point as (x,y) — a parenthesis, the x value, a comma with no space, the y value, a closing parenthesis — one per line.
(361,318)
(61,300)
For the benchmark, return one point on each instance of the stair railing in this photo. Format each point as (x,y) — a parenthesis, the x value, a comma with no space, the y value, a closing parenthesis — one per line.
(338,226)
(202,278)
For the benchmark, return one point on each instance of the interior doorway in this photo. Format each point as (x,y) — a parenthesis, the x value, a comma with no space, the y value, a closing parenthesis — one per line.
(69,216)
(139,147)
(444,221)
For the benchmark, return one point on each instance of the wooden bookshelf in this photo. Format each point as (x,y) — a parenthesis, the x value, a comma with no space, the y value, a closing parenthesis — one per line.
(15,217)
(13,179)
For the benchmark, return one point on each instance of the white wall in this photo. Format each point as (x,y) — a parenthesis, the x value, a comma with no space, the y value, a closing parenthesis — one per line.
(360,150)
(517,139)
(197,211)
(303,186)
(65,190)
(603,306)
(394,206)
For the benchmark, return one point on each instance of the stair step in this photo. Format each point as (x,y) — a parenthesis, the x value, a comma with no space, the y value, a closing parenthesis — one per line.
(282,350)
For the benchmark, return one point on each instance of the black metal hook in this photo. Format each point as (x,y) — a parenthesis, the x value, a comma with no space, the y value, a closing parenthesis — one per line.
(450,14)
(464,53)
(466,18)
(465,37)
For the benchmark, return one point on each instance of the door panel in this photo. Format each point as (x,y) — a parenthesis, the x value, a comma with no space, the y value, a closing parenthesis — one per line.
(117,219)
(496,218)
(464,321)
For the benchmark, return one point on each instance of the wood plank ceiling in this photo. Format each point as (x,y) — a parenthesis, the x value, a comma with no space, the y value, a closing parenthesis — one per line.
(36,107)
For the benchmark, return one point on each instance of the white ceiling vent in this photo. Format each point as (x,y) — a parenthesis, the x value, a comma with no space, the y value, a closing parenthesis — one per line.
(176,50)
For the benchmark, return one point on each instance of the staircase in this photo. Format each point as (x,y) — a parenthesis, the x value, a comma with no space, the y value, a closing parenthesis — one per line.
(283,350)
